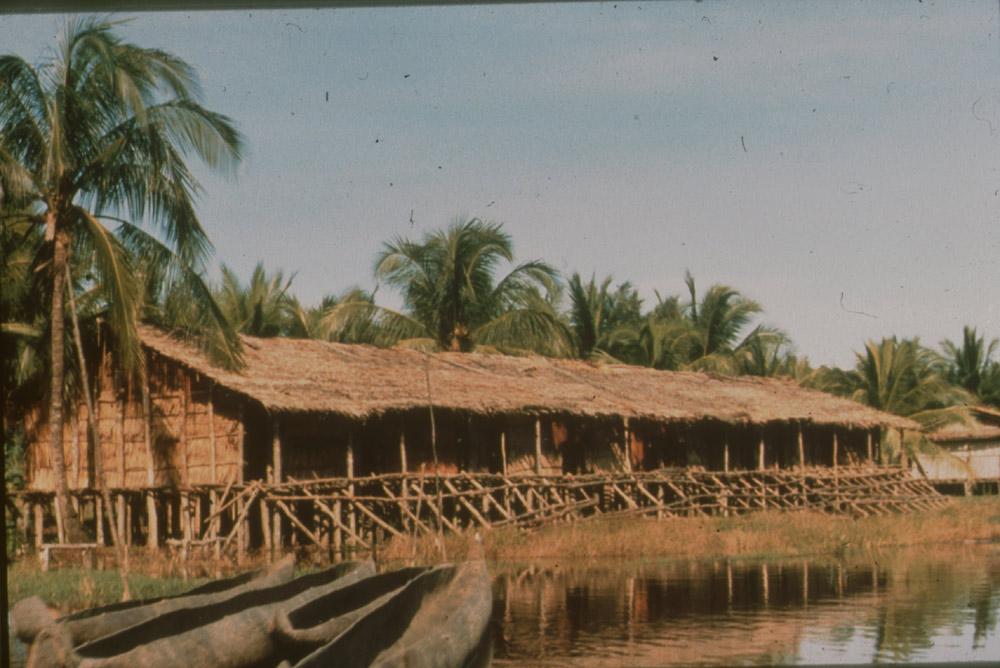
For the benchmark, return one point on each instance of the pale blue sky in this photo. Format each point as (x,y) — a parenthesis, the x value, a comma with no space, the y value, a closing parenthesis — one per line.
(610,138)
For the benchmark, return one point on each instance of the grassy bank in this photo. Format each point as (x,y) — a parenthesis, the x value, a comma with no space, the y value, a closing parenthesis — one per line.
(769,535)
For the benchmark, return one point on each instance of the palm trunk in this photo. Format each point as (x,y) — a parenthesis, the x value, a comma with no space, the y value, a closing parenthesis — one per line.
(71,522)
(95,435)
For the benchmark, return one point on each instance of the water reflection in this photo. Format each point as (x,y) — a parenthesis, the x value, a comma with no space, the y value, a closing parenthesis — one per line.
(940,606)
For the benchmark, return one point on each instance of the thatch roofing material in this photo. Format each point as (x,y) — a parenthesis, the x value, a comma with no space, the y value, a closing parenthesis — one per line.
(307,376)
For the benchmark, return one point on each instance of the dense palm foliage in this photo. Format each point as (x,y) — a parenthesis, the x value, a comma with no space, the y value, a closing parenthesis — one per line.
(897,376)
(453,299)
(706,333)
(92,139)
(604,321)
(972,367)
(263,307)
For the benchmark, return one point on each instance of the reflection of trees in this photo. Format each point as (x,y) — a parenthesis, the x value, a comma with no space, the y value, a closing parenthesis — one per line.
(928,595)
(701,612)
(985,604)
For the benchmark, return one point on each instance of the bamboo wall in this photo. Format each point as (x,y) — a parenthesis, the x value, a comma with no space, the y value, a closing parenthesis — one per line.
(195,433)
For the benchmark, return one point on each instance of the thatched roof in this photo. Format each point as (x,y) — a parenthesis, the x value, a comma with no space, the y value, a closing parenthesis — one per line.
(306,376)
(983,426)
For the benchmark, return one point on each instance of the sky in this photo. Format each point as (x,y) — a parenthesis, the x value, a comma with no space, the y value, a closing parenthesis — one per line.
(838,162)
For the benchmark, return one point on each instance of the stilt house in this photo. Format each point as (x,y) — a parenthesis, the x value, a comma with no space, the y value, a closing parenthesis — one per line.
(305,408)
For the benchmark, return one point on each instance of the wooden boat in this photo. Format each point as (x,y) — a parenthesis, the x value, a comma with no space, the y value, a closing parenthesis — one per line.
(31,615)
(438,620)
(310,626)
(231,633)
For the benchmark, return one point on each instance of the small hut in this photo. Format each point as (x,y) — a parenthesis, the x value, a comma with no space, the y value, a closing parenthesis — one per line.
(969,460)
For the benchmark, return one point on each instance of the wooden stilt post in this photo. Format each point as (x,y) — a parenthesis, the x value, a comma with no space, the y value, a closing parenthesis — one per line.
(75,443)
(904,456)
(242,535)
(503,468)
(836,453)
(402,451)
(265,521)
(725,454)
(627,445)
(185,403)
(60,529)
(403,481)
(99,519)
(120,516)
(39,514)
(802,448)
(120,441)
(871,452)
(351,514)
(213,494)
(765,584)
(503,452)
(152,519)
(538,446)
(760,452)
(129,518)
(276,469)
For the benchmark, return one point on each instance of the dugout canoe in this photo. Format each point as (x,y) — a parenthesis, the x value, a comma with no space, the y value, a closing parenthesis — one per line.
(310,626)
(233,633)
(31,615)
(438,620)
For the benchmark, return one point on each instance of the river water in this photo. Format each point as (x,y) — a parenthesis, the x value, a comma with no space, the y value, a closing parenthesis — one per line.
(922,605)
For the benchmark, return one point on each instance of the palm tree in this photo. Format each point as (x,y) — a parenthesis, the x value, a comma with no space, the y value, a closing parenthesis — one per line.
(263,307)
(604,322)
(705,333)
(98,134)
(718,319)
(452,298)
(896,376)
(970,365)
(311,323)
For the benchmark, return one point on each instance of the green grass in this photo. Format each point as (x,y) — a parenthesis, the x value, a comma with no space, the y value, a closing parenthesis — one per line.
(72,589)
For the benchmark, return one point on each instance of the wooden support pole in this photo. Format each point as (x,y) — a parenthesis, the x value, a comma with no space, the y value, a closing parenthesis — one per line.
(627,449)
(904,457)
(211,435)
(352,521)
(802,448)
(402,451)
(265,524)
(120,441)
(871,452)
(538,445)
(99,519)
(39,514)
(120,517)
(185,402)
(242,535)
(402,467)
(725,455)
(765,584)
(152,519)
(277,478)
(760,453)
(75,442)
(60,529)
(836,452)
(503,452)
